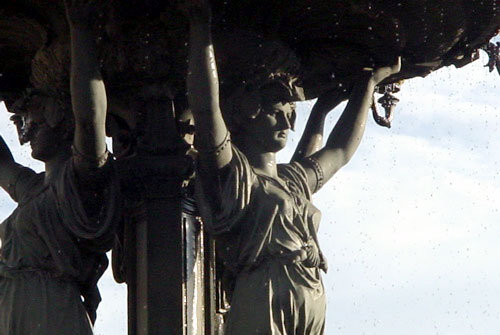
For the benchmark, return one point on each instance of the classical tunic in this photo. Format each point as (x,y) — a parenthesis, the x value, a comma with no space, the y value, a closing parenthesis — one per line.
(53,254)
(259,223)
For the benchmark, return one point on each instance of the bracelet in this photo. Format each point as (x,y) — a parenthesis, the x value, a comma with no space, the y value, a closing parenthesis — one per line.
(90,161)
(318,171)
(218,149)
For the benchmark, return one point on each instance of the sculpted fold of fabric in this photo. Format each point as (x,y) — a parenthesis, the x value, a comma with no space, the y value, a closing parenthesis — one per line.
(53,255)
(260,227)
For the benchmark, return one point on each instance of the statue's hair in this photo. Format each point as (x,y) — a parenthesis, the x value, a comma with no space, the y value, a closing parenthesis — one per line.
(251,98)
(55,109)
(54,106)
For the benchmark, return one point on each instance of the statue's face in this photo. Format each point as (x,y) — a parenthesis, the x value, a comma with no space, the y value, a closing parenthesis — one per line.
(45,141)
(270,128)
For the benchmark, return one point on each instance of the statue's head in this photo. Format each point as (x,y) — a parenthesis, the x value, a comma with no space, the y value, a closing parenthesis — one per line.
(43,119)
(264,113)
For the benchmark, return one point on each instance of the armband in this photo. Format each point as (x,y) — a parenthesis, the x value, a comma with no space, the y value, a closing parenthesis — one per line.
(88,161)
(218,149)
(318,171)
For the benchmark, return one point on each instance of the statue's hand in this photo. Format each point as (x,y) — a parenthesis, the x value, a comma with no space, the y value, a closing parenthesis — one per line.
(80,13)
(309,255)
(198,11)
(382,73)
(313,260)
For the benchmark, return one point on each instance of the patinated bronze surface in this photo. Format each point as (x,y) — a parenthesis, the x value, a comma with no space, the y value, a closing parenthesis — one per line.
(260,213)
(323,42)
(264,49)
(54,243)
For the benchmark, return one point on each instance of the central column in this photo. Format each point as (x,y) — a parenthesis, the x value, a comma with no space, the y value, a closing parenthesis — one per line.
(162,246)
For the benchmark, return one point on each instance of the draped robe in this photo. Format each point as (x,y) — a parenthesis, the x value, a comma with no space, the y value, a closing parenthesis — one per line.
(258,222)
(53,254)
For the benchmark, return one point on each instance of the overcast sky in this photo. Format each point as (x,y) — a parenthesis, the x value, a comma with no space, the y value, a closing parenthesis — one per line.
(410,226)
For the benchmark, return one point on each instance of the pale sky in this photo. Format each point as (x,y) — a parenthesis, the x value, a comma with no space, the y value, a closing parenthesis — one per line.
(410,226)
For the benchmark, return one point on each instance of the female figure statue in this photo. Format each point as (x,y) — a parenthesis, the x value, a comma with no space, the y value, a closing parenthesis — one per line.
(54,243)
(259,212)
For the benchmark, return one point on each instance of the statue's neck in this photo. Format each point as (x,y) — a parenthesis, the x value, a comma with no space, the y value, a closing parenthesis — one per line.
(54,165)
(262,162)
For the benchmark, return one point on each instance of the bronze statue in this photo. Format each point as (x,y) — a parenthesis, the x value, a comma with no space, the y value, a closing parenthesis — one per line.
(259,212)
(54,243)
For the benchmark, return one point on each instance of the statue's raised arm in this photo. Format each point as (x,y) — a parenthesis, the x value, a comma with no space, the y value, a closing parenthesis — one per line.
(212,134)
(10,171)
(312,137)
(88,93)
(348,132)
(6,161)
